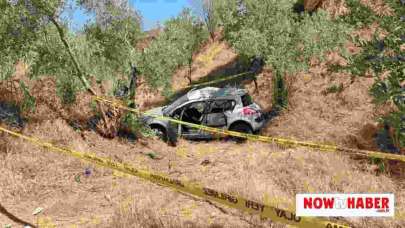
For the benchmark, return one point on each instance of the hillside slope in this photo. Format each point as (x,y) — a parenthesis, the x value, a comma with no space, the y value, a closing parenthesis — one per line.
(32,177)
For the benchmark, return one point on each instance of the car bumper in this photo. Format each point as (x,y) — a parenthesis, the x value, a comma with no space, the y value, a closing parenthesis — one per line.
(260,122)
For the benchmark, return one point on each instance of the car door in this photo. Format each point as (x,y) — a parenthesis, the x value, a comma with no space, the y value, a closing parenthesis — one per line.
(217,115)
(192,113)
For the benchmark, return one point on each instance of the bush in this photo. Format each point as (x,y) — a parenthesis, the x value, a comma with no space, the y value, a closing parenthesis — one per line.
(28,101)
(334,89)
(286,40)
(280,92)
(374,56)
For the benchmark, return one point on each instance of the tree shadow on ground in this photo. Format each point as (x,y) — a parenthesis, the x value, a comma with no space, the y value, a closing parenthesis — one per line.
(14,218)
(218,78)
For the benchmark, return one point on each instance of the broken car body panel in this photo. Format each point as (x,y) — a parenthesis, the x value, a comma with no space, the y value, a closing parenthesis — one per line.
(214,107)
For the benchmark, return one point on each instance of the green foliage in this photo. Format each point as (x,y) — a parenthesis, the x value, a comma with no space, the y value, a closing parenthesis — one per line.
(380,163)
(397,121)
(171,49)
(334,89)
(389,89)
(271,29)
(115,43)
(66,91)
(280,92)
(374,57)
(20,24)
(26,34)
(359,16)
(132,122)
(18,30)
(28,101)
(285,39)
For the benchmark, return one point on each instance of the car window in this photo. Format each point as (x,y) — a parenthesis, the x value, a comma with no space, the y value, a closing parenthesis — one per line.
(220,106)
(246,100)
(175,104)
(177,113)
(199,106)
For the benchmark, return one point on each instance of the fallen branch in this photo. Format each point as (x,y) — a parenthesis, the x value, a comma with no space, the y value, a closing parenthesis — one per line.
(14,218)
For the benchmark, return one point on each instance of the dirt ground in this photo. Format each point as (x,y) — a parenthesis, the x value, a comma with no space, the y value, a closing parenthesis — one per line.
(34,177)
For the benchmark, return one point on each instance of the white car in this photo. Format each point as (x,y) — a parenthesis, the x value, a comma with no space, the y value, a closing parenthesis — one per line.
(225,108)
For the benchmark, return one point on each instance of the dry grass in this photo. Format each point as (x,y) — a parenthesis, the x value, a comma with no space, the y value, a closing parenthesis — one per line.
(352,48)
(263,93)
(335,7)
(10,89)
(366,34)
(146,97)
(337,117)
(32,177)
(311,5)
(379,7)
(133,217)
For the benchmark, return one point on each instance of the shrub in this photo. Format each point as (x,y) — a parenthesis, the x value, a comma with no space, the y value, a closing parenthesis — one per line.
(271,29)
(334,89)
(374,57)
(285,40)
(280,92)
(28,100)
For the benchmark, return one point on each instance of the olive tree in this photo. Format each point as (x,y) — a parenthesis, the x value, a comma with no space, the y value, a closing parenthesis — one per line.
(205,9)
(270,29)
(33,31)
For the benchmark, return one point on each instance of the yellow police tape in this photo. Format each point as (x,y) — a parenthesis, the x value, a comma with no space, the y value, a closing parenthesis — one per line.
(267,139)
(265,211)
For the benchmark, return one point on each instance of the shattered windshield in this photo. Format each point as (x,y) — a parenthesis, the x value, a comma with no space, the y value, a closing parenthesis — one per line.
(169,108)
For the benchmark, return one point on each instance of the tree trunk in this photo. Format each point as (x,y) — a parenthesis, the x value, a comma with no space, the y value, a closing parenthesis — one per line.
(108,130)
(75,63)
(190,63)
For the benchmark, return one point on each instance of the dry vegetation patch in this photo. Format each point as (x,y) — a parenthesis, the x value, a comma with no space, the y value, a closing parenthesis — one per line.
(33,177)
(335,8)
(379,7)
(366,34)
(147,97)
(326,107)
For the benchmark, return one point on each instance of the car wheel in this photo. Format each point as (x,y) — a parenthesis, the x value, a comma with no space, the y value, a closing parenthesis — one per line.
(160,132)
(240,127)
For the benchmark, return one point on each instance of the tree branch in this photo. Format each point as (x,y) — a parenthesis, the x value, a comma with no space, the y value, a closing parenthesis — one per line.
(75,63)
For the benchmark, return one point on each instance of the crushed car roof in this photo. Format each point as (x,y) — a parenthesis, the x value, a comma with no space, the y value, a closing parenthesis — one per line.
(212,92)
(205,93)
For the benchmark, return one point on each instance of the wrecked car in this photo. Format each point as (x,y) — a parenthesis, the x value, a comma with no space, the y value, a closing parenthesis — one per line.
(225,108)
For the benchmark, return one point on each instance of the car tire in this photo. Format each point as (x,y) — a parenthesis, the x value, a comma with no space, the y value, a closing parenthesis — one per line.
(160,132)
(163,135)
(240,127)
